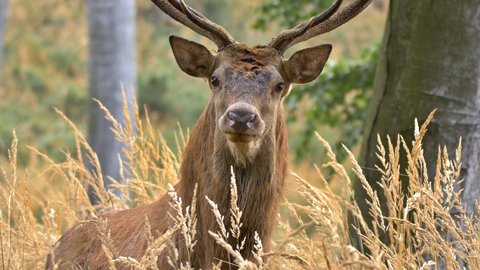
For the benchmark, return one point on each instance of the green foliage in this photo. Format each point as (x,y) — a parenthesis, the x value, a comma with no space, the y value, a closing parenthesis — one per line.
(153,88)
(44,68)
(338,98)
(169,98)
(288,12)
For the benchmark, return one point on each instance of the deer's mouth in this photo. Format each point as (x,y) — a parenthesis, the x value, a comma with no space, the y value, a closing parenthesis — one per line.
(240,137)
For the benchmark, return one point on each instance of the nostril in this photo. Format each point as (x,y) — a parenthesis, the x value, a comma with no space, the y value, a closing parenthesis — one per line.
(251,118)
(233,116)
(241,117)
(251,122)
(230,119)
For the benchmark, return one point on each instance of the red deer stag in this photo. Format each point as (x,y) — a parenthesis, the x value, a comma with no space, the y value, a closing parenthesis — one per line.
(242,126)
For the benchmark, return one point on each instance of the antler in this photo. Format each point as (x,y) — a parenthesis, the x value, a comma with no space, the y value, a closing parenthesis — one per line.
(184,14)
(320,24)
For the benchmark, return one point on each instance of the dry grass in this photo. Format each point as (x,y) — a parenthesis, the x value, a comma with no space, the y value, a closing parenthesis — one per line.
(426,226)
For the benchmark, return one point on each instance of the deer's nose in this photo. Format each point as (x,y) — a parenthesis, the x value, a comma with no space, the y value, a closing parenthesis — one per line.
(241,122)
(241,119)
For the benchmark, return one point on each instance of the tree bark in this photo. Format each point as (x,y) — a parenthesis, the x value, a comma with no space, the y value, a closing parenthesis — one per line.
(430,59)
(3,22)
(112,63)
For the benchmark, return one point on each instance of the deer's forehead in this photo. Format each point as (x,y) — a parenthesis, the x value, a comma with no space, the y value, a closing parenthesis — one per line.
(257,63)
(241,56)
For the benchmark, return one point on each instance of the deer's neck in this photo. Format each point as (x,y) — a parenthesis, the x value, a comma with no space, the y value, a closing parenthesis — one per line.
(208,161)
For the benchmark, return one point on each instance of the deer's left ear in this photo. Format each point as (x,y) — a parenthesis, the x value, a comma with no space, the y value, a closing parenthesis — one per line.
(305,65)
(193,58)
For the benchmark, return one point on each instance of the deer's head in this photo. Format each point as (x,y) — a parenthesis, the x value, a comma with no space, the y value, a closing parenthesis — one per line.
(248,84)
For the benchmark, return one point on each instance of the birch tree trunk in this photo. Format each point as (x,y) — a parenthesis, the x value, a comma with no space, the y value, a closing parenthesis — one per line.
(112,63)
(3,23)
(430,59)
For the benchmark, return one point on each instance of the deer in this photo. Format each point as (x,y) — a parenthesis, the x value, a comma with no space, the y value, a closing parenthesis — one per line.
(242,127)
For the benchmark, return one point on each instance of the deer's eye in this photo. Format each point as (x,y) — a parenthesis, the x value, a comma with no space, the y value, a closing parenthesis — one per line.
(279,87)
(214,81)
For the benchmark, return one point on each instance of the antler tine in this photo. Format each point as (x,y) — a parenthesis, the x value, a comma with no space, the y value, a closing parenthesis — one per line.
(186,15)
(282,41)
(328,23)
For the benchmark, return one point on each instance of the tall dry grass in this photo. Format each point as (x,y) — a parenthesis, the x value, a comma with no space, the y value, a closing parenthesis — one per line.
(426,225)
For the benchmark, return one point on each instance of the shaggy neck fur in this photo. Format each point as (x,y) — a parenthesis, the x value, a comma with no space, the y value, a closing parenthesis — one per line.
(260,179)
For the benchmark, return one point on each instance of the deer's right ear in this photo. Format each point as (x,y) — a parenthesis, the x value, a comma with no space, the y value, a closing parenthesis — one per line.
(193,58)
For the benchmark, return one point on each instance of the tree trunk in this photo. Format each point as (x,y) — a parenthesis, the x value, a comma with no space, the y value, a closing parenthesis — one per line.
(3,22)
(430,59)
(112,63)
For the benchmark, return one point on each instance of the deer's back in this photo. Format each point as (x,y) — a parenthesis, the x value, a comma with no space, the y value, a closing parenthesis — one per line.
(81,246)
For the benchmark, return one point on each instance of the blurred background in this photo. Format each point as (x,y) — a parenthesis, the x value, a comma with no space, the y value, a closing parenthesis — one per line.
(45,66)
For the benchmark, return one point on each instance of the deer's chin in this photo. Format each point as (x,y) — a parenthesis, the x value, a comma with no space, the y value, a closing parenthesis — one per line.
(243,148)
(240,138)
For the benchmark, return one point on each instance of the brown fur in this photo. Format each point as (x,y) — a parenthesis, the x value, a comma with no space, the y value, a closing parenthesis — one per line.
(248,75)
